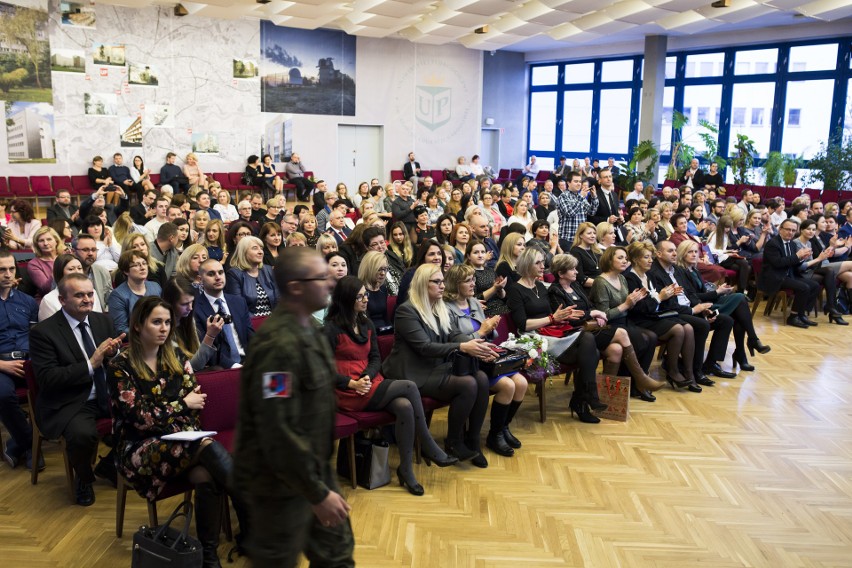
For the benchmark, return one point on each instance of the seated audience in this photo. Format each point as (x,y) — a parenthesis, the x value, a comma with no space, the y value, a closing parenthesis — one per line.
(530,311)
(709,270)
(727,251)
(271,180)
(154,392)
(545,241)
(586,250)
(360,385)
(354,248)
(444,228)
(180,294)
(468,319)
(68,351)
(134,265)
(223,205)
(109,249)
(490,288)
(189,263)
(429,252)
(86,250)
(63,265)
(63,209)
(422,344)
(164,250)
(47,246)
(249,278)
(373,275)
(296,174)
(817,267)
(270,235)
(325,244)
(20,231)
(193,172)
(511,248)
(212,299)
(214,239)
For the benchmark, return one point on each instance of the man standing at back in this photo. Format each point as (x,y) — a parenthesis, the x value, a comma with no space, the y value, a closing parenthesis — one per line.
(285,433)
(574,206)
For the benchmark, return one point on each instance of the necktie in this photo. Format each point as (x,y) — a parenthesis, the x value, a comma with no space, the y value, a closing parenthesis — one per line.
(101,392)
(612,205)
(229,334)
(788,253)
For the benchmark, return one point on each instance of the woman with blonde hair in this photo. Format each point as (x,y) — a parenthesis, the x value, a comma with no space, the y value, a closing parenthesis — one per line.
(189,262)
(666,213)
(325,244)
(308,227)
(47,245)
(468,319)
(122,227)
(250,278)
(605,233)
(137,241)
(654,230)
(200,220)
(422,346)
(511,248)
(214,240)
(223,205)
(586,250)
(726,250)
(372,272)
(521,214)
(193,172)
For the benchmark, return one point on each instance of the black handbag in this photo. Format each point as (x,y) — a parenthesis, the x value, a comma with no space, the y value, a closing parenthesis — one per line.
(371,462)
(463,364)
(511,362)
(154,547)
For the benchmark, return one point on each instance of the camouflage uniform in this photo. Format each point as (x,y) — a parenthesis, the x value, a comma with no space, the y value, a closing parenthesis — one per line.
(285,439)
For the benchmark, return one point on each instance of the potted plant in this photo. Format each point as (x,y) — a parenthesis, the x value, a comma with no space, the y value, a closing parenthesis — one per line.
(832,165)
(682,153)
(790,170)
(743,159)
(645,155)
(773,169)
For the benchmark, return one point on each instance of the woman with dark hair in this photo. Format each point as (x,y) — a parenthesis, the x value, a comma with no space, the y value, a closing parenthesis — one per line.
(252,175)
(466,201)
(725,245)
(444,228)
(360,385)
(337,269)
(353,248)
(490,288)
(421,230)
(99,178)
(64,265)
(63,229)
(237,231)
(429,252)
(153,392)
(818,268)
(180,295)
(19,233)
(184,239)
(270,236)
(109,250)
(459,239)
(709,271)
(141,175)
(134,265)
(546,242)
(400,251)
(271,180)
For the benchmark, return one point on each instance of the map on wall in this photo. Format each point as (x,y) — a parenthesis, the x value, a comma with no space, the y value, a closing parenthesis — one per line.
(306,71)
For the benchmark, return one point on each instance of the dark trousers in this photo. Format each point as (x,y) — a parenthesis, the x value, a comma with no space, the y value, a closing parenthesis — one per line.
(304,187)
(583,354)
(284,528)
(701,328)
(805,293)
(81,440)
(14,418)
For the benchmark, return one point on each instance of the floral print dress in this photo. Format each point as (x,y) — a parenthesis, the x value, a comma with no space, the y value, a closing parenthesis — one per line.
(143,410)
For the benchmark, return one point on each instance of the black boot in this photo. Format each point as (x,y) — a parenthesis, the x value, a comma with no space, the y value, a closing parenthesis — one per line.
(496,441)
(218,462)
(208,521)
(507,434)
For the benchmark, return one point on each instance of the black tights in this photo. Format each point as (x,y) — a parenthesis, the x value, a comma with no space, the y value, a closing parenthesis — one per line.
(742,268)
(583,354)
(402,399)
(826,277)
(743,324)
(468,398)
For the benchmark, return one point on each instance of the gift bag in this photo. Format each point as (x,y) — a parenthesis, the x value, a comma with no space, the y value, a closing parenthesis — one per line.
(167,546)
(615,393)
(371,462)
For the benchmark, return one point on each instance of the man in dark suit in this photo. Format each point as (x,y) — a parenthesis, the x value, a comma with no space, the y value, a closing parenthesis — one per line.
(337,226)
(411,170)
(69,351)
(63,209)
(233,340)
(608,207)
(780,271)
(562,171)
(481,230)
(143,212)
(664,272)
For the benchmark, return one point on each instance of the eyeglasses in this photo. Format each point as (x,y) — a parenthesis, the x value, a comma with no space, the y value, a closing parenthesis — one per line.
(362,297)
(139,265)
(437,282)
(241,234)
(314,279)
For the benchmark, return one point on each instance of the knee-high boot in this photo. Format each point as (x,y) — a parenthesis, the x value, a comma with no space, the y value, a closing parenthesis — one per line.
(208,521)
(643,381)
(496,441)
(507,434)
(218,462)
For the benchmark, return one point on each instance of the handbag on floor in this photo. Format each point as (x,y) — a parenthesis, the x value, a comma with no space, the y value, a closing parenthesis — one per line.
(615,393)
(155,547)
(371,462)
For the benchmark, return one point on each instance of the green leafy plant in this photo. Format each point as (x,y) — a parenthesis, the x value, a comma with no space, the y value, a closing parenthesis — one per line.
(790,170)
(743,159)
(832,164)
(710,137)
(682,153)
(773,169)
(645,156)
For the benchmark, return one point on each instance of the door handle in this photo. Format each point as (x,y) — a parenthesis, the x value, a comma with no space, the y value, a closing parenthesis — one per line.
(353,162)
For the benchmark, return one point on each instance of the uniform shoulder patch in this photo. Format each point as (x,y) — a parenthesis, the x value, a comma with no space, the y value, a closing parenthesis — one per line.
(277,384)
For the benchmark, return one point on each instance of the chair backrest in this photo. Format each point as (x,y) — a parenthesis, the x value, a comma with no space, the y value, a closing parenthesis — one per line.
(504,173)
(515,174)
(756,266)
(155,179)
(391,307)
(32,385)
(19,185)
(81,183)
(257,321)
(61,182)
(543,176)
(235,179)
(41,185)
(223,399)
(396,175)
(437,176)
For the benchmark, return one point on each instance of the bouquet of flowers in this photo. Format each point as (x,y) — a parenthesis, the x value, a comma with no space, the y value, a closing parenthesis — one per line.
(540,364)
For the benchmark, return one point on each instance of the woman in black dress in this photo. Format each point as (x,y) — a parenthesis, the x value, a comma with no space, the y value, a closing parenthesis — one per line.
(511,248)
(530,310)
(153,393)
(588,254)
(489,287)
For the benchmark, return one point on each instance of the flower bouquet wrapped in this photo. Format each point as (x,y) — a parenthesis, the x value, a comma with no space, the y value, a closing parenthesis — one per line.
(540,363)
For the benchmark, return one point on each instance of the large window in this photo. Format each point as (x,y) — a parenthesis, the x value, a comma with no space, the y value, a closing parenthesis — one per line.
(615,114)
(548,75)
(809,107)
(542,119)
(752,101)
(702,100)
(577,126)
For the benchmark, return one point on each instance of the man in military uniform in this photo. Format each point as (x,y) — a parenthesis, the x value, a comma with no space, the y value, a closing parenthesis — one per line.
(285,434)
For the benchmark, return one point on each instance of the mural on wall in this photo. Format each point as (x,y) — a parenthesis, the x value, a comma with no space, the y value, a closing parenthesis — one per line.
(67,60)
(245,69)
(25,81)
(307,71)
(78,14)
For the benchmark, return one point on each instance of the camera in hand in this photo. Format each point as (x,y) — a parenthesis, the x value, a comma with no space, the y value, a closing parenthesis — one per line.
(225,317)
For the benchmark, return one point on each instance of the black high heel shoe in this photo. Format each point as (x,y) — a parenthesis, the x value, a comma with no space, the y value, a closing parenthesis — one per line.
(459,451)
(836,317)
(755,345)
(415,489)
(584,412)
(686,383)
(644,395)
(739,358)
(597,405)
(451,460)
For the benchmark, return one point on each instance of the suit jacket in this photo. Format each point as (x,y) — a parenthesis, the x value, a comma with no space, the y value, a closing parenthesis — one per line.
(62,370)
(242,323)
(102,282)
(137,213)
(408,170)
(419,354)
(776,265)
(340,240)
(605,209)
(697,179)
(240,283)
(660,279)
(56,212)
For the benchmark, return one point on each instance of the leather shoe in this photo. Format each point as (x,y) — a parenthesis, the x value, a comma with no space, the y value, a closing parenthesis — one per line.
(795,321)
(705,380)
(29,460)
(10,459)
(85,494)
(479,461)
(807,321)
(693,387)
(716,370)
(644,395)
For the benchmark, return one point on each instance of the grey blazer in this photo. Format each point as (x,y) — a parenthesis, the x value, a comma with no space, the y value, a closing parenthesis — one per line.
(462,324)
(419,354)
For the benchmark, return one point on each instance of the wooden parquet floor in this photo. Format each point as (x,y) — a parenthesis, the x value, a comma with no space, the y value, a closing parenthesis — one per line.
(754,472)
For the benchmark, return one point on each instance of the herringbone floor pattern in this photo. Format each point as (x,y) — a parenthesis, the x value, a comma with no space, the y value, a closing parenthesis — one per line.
(754,472)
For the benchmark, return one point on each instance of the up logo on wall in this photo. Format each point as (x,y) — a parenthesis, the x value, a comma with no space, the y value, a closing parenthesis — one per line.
(433,106)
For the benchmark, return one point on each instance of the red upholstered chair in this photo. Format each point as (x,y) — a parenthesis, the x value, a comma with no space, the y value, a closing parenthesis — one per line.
(503,176)
(346,427)
(257,321)
(103,426)
(4,188)
(155,179)
(41,186)
(223,402)
(784,296)
(543,176)
(814,194)
(437,176)
(397,175)
(20,186)
(791,193)
(773,192)
(236,181)
(224,180)
(61,182)
(81,185)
